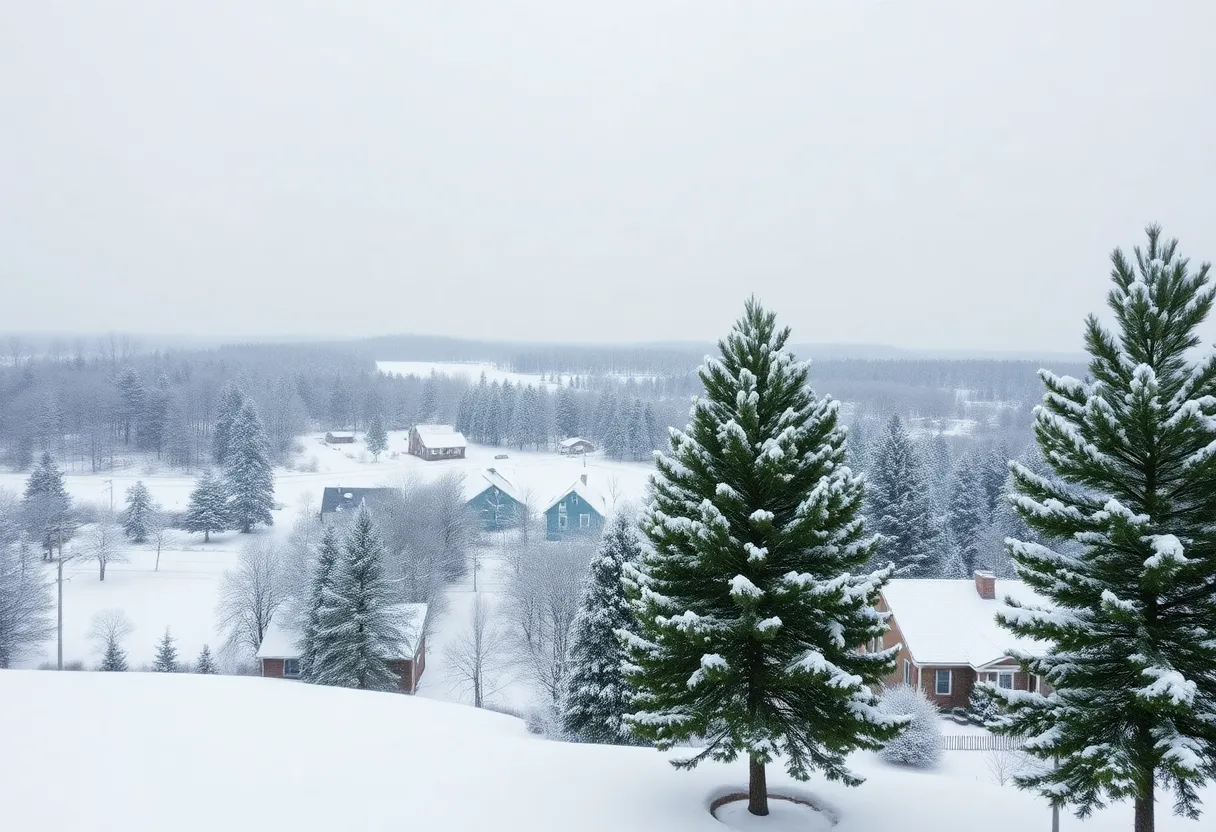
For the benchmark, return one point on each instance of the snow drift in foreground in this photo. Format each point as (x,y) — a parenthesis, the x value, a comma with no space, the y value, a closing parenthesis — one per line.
(147,752)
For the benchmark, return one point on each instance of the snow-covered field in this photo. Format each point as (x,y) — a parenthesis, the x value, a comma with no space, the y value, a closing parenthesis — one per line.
(182,594)
(146,752)
(470,371)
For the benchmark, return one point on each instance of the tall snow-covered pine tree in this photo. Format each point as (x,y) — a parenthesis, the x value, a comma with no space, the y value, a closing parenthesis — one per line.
(248,473)
(207,510)
(751,602)
(596,697)
(137,516)
(328,553)
(1131,613)
(356,629)
(900,506)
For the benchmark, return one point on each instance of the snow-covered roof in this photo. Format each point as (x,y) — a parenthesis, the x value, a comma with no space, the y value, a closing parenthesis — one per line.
(282,639)
(440,436)
(574,440)
(337,498)
(490,477)
(587,494)
(947,622)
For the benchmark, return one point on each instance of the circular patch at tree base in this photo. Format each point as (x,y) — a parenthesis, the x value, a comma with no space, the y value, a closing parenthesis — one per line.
(785,814)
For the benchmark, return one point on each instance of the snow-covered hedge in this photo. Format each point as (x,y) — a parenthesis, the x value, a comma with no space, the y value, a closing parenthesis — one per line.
(920,744)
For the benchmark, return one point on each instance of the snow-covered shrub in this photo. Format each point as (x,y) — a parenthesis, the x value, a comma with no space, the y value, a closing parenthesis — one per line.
(542,719)
(983,706)
(920,743)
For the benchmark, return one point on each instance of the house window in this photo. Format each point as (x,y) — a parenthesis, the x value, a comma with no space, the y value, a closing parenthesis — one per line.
(876,644)
(574,499)
(907,672)
(941,683)
(1003,679)
(561,520)
(291,668)
(584,521)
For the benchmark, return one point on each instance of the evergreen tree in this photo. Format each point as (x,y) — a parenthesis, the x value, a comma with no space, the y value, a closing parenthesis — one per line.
(993,470)
(166,655)
(207,510)
(525,418)
(247,472)
(131,398)
(900,506)
(205,664)
(137,516)
(114,660)
(1132,448)
(543,428)
(596,698)
(429,402)
(752,601)
(46,506)
(859,445)
(464,413)
(657,436)
(377,437)
(968,515)
(566,414)
(328,554)
(640,446)
(356,630)
(231,402)
(935,457)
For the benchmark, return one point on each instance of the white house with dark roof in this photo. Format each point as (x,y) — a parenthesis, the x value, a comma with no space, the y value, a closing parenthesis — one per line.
(950,637)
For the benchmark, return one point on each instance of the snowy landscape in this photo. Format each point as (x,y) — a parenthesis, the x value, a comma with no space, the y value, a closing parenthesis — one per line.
(647,417)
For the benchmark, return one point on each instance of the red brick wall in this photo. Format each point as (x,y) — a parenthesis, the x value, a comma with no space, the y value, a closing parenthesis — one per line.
(272,668)
(962,680)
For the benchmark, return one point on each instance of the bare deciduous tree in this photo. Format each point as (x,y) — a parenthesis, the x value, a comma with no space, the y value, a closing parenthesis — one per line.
(478,656)
(249,596)
(108,628)
(542,599)
(25,594)
(161,533)
(104,543)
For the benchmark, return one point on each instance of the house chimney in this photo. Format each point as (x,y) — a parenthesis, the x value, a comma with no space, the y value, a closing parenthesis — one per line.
(583,477)
(985,584)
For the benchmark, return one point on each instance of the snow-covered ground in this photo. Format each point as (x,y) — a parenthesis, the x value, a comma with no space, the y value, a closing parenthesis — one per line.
(147,752)
(182,594)
(470,371)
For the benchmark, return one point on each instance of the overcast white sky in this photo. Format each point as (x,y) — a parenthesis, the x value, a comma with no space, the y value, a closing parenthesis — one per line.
(921,174)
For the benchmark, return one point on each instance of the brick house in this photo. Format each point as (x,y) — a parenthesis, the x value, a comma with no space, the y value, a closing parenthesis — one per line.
(432,442)
(279,655)
(950,639)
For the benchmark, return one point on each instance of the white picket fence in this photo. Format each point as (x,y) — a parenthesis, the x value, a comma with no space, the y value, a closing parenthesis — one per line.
(980,742)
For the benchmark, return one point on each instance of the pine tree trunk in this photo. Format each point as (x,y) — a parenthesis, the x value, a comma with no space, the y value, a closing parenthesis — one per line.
(1145,821)
(757,789)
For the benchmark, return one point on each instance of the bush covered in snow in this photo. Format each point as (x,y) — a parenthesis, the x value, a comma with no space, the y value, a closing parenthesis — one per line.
(920,744)
(983,706)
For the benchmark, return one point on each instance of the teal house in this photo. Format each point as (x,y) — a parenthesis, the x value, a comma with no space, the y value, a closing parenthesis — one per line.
(495,501)
(576,512)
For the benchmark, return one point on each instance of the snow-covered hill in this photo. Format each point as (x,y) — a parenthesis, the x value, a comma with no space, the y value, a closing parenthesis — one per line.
(135,752)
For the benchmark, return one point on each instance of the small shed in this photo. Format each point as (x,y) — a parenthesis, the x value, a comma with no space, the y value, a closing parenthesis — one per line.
(279,654)
(575,445)
(336,500)
(339,438)
(431,442)
(576,512)
(494,500)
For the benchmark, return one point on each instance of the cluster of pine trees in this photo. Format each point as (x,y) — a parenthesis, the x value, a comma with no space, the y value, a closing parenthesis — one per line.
(243,496)
(739,623)
(351,626)
(624,426)
(942,511)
